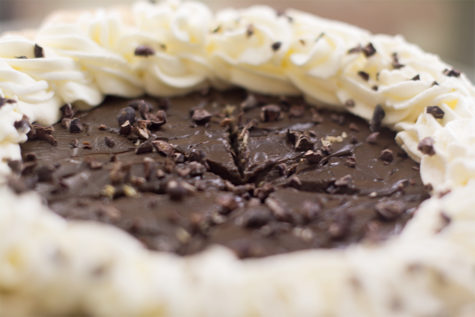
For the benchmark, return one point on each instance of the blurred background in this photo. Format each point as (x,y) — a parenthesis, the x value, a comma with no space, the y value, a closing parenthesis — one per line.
(444,27)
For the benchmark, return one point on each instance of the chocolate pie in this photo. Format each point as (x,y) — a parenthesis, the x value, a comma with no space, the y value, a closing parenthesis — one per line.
(164,160)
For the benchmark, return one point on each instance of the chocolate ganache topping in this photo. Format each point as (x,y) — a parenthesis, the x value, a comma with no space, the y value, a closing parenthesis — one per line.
(261,175)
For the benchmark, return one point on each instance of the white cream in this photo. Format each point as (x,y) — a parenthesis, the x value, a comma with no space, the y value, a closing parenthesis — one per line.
(50,266)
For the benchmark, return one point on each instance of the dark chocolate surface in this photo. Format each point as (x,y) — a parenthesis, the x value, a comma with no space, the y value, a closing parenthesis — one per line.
(261,175)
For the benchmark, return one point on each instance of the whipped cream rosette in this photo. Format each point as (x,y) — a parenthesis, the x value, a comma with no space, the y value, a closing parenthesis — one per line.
(49,266)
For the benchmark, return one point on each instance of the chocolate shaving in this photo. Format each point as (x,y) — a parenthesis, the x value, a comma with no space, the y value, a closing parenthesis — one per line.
(451,72)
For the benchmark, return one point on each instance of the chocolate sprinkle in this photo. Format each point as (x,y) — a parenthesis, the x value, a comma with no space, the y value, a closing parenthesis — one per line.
(377,118)
(426,146)
(143,50)
(436,112)
(38,51)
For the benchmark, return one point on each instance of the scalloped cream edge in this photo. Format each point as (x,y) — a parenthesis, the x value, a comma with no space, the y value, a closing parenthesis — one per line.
(49,266)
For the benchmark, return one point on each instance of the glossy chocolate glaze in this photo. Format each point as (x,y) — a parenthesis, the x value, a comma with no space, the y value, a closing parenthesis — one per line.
(261,175)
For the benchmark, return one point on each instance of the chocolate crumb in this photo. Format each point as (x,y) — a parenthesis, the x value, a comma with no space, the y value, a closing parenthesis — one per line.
(313,157)
(451,72)
(369,50)
(377,119)
(372,138)
(391,209)
(276,46)
(38,132)
(145,147)
(201,116)
(76,126)
(303,143)
(426,146)
(176,191)
(364,75)
(143,50)
(417,77)
(67,111)
(436,112)
(386,156)
(396,64)
(163,147)
(126,114)
(38,51)
(270,113)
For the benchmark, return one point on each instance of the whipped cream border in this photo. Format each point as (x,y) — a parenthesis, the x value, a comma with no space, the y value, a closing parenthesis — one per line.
(52,266)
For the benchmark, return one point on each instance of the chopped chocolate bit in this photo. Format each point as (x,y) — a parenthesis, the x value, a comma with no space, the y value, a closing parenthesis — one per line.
(196,168)
(296,111)
(303,143)
(145,147)
(372,138)
(157,120)
(143,50)
(38,51)
(386,156)
(351,161)
(4,101)
(201,116)
(109,142)
(125,128)
(67,111)
(313,157)
(375,87)
(436,112)
(390,209)
(227,202)
(86,145)
(176,191)
(426,146)
(396,64)
(276,46)
(178,157)
(417,77)
(270,113)
(345,181)
(140,130)
(76,126)
(141,105)
(369,50)
(66,123)
(38,132)
(163,147)
(350,103)
(256,217)
(377,119)
(435,83)
(250,30)
(451,72)
(45,173)
(126,114)
(22,125)
(363,75)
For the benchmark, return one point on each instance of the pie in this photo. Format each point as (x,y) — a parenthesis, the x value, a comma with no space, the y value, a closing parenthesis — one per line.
(241,163)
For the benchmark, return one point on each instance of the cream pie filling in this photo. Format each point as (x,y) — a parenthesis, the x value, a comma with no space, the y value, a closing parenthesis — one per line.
(50,266)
